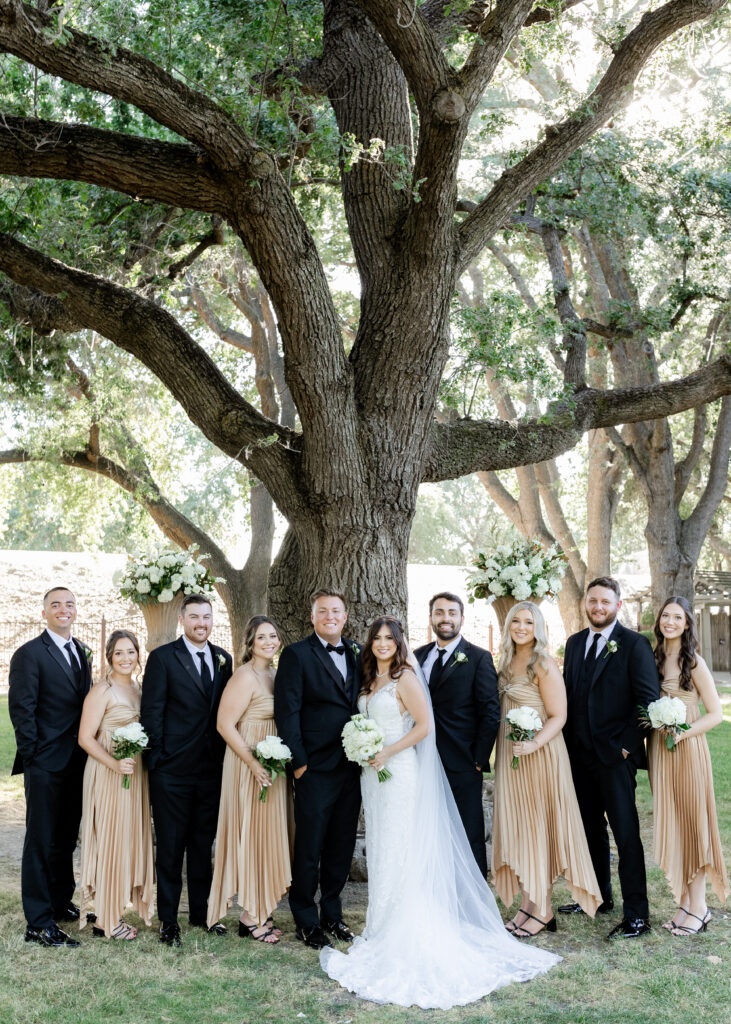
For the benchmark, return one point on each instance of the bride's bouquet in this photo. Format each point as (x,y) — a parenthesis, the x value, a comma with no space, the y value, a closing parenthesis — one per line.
(524,723)
(129,741)
(273,755)
(668,714)
(362,740)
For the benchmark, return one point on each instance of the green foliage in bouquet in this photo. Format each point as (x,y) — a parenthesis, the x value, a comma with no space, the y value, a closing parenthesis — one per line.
(159,578)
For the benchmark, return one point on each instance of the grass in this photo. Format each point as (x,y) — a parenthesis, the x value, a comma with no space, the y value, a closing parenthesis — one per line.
(230,981)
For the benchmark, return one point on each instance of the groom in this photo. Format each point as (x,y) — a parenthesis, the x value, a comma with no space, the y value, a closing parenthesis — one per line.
(463,687)
(315,693)
(609,671)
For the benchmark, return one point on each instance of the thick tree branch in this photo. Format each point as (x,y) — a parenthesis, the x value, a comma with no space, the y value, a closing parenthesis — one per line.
(574,333)
(684,468)
(166,172)
(467,446)
(494,36)
(107,68)
(717,481)
(155,338)
(613,91)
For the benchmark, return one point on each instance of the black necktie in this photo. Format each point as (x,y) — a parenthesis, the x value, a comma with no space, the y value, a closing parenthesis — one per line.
(75,666)
(205,673)
(437,668)
(340,649)
(590,659)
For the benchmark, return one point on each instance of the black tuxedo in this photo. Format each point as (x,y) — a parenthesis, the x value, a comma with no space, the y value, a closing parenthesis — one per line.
(466,718)
(185,758)
(45,702)
(312,703)
(602,702)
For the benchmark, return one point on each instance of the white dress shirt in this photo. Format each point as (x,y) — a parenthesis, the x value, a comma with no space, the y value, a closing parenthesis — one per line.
(339,660)
(603,640)
(60,642)
(433,653)
(195,651)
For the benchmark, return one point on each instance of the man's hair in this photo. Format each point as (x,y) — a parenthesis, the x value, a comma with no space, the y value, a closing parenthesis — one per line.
(325,592)
(606,581)
(195,599)
(446,596)
(53,591)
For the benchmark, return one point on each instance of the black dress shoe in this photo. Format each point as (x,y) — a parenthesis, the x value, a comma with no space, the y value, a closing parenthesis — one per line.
(51,936)
(170,934)
(314,937)
(216,929)
(630,928)
(574,908)
(339,929)
(68,913)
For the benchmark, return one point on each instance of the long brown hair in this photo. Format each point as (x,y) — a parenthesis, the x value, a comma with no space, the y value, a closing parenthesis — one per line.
(120,634)
(687,659)
(400,660)
(251,627)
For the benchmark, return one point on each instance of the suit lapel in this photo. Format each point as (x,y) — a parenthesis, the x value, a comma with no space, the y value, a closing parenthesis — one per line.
(184,657)
(451,664)
(577,658)
(605,657)
(328,664)
(85,666)
(422,654)
(215,652)
(59,658)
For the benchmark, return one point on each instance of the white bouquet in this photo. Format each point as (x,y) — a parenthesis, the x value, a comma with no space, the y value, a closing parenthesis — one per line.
(520,570)
(667,714)
(274,756)
(362,740)
(129,741)
(160,577)
(524,723)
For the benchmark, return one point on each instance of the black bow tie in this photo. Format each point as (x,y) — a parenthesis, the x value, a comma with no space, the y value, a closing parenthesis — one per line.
(340,649)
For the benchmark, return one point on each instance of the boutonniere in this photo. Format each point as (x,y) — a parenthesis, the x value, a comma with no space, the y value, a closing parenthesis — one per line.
(221,660)
(88,653)
(355,649)
(460,657)
(612,648)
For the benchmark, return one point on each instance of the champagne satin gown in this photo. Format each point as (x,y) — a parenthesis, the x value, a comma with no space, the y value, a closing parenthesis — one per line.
(685,827)
(117,862)
(252,861)
(537,832)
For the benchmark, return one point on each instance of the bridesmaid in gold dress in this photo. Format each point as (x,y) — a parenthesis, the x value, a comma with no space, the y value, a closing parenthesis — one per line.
(537,829)
(252,846)
(687,845)
(117,865)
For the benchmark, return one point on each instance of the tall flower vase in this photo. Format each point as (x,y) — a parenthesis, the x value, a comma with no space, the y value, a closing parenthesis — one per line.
(161,621)
(502,606)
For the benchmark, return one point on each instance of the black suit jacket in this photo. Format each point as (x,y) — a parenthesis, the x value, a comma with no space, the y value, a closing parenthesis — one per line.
(312,702)
(45,704)
(177,715)
(466,707)
(621,682)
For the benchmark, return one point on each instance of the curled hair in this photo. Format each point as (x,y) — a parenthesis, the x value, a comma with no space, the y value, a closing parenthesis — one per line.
(114,637)
(687,659)
(540,642)
(400,660)
(250,634)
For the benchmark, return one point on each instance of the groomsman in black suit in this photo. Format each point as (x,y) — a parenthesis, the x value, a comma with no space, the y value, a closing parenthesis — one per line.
(181,692)
(49,678)
(463,687)
(609,671)
(315,694)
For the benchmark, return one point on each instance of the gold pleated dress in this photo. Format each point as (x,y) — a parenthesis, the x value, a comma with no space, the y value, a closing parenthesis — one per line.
(537,832)
(252,862)
(117,861)
(686,837)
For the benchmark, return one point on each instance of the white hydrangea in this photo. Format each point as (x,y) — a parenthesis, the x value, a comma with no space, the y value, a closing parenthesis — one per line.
(154,574)
(165,596)
(143,586)
(521,591)
(541,587)
(497,588)
(362,739)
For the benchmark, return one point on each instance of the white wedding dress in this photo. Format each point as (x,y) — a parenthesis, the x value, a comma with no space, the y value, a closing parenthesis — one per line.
(434,937)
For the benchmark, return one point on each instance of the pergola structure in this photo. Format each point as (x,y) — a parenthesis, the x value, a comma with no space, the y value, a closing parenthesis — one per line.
(713,611)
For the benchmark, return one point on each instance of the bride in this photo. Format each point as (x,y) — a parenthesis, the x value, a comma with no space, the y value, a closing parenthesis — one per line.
(434,937)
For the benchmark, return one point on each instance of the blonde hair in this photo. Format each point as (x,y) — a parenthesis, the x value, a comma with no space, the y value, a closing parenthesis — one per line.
(540,643)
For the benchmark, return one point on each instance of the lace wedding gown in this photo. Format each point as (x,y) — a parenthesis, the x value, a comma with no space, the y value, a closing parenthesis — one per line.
(434,937)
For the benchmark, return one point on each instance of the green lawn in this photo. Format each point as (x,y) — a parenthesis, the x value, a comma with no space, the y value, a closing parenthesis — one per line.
(230,981)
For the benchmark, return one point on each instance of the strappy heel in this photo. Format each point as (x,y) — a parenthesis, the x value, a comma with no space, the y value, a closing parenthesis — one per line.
(124,932)
(272,927)
(682,930)
(669,925)
(246,931)
(521,933)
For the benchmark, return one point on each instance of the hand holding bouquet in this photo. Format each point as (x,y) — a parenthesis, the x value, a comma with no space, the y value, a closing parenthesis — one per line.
(362,740)
(524,723)
(129,741)
(668,715)
(273,755)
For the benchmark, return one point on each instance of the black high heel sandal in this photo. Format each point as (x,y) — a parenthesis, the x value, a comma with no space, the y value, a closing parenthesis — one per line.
(684,930)
(246,931)
(549,926)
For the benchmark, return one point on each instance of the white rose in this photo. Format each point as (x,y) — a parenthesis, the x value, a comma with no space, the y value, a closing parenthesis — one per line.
(165,596)
(143,587)
(264,749)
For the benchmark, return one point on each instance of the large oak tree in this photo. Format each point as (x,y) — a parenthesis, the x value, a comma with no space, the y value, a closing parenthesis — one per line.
(346,480)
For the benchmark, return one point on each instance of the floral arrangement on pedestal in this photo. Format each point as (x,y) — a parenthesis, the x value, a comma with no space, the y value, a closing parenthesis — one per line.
(520,571)
(158,578)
